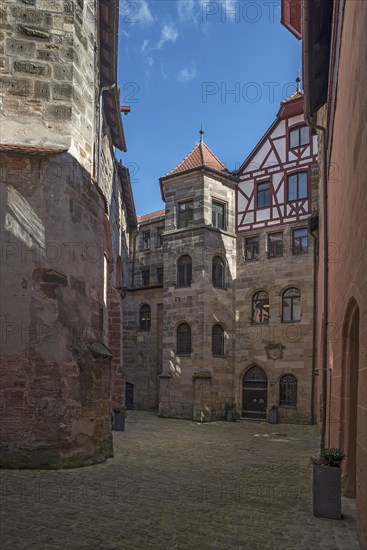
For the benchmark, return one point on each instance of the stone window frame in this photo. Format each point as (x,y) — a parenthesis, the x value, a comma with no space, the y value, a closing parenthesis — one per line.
(247,259)
(146,240)
(183,274)
(268,239)
(292,298)
(224,206)
(160,276)
(183,339)
(145,277)
(215,275)
(255,299)
(288,390)
(221,345)
(180,214)
(145,317)
(299,250)
(159,236)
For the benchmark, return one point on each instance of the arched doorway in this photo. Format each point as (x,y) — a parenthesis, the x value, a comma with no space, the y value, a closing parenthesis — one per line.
(254,393)
(350,397)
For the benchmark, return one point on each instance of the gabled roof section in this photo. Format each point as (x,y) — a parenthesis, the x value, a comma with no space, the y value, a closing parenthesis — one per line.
(127,195)
(200,156)
(289,107)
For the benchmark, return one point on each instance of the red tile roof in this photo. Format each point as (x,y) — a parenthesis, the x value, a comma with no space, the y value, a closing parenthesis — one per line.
(200,156)
(31,149)
(152,216)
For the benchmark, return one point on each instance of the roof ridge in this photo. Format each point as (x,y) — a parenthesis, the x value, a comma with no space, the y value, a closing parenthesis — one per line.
(214,155)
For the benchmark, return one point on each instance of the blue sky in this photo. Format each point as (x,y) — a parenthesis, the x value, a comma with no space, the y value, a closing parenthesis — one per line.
(225,64)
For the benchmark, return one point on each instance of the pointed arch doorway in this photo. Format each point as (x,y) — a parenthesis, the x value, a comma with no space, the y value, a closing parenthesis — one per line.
(254,393)
(349,408)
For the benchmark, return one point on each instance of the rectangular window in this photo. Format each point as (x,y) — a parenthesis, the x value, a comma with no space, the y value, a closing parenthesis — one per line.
(160,275)
(263,195)
(275,245)
(300,241)
(252,248)
(185,214)
(297,186)
(218,215)
(146,240)
(160,231)
(145,276)
(299,136)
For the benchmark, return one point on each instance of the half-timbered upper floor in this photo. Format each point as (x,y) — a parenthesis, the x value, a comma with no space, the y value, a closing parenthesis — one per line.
(275,180)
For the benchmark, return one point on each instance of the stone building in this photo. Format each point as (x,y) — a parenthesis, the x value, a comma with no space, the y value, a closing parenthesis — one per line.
(335,80)
(220,309)
(66,214)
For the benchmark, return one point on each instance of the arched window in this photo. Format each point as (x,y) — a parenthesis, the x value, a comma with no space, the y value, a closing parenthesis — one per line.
(217,340)
(218,272)
(288,391)
(144,317)
(291,305)
(260,307)
(184,271)
(183,345)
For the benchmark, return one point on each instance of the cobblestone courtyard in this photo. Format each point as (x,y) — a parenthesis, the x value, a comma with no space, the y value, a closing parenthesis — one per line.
(176,484)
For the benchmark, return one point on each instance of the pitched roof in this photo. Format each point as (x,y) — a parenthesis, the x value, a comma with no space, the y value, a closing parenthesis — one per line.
(30,149)
(296,95)
(152,216)
(199,157)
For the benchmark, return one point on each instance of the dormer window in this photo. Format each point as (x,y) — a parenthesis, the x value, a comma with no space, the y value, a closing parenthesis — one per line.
(299,136)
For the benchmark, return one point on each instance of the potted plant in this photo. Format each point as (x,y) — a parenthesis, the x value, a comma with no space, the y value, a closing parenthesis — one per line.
(327,483)
(231,413)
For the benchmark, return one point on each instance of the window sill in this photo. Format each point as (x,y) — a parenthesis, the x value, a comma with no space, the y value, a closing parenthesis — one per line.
(183,354)
(290,322)
(287,407)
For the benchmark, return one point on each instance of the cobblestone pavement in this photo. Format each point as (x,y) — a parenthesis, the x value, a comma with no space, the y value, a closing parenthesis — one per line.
(175,484)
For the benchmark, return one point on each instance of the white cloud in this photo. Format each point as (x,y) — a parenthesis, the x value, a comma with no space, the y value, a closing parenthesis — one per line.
(136,12)
(187,10)
(169,33)
(187,73)
(144,46)
(144,14)
(230,10)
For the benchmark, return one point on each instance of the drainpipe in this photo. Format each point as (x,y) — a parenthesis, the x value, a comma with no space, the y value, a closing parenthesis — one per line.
(100,124)
(322,129)
(314,328)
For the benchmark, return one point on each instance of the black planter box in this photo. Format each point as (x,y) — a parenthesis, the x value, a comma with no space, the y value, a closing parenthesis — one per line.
(326,492)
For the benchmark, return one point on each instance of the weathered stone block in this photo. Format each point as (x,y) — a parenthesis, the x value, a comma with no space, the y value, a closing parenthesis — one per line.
(62,91)
(22,48)
(63,72)
(37,34)
(31,68)
(41,90)
(17,87)
(49,54)
(58,113)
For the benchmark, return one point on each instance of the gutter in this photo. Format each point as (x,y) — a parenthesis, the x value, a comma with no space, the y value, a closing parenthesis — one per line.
(312,124)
